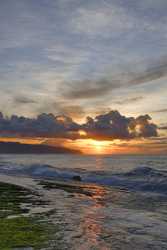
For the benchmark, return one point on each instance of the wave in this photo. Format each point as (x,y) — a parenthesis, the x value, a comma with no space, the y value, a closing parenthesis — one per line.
(36,171)
(139,179)
(144,178)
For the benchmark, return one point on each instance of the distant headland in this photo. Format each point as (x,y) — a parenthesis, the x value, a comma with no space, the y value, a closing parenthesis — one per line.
(20,148)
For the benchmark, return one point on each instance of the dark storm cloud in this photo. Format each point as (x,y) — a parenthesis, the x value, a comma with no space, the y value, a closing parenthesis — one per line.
(107,126)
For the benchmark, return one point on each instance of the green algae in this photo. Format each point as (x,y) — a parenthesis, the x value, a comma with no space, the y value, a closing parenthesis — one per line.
(18,231)
(11,198)
(22,232)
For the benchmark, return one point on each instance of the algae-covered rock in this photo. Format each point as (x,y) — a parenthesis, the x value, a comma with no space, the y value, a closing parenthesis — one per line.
(18,228)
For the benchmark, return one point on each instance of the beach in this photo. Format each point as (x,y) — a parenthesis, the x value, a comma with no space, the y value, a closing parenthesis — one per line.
(102,211)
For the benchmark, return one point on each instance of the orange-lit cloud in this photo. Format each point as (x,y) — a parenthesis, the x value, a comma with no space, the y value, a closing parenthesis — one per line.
(23,140)
(91,146)
(107,126)
(108,133)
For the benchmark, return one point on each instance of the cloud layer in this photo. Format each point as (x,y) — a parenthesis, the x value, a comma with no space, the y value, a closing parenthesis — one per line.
(82,52)
(107,126)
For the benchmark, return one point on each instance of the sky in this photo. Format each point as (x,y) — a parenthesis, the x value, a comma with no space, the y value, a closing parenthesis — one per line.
(80,58)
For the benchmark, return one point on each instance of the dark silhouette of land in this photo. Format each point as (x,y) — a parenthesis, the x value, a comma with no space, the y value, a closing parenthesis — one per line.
(19,148)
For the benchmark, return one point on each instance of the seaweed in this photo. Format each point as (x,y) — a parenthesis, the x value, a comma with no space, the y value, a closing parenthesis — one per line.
(23,232)
(17,227)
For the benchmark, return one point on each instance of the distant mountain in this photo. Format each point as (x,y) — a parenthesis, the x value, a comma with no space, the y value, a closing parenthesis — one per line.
(19,148)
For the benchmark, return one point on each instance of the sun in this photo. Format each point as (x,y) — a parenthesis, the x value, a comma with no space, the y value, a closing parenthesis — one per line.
(82,133)
(91,146)
(99,146)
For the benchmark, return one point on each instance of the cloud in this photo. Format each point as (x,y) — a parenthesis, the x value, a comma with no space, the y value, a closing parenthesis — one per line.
(53,48)
(155,72)
(113,125)
(107,126)
(163,127)
(101,19)
(119,19)
(45,125)
(90,89)
(23,100)
(129,100)
(159,111)
(75,111)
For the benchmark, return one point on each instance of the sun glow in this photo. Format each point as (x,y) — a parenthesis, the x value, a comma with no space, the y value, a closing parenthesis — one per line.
(29,140)
(82,133)
(99,146)
(90,146)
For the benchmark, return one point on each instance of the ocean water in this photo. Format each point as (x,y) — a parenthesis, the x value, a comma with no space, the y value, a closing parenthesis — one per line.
(127,208)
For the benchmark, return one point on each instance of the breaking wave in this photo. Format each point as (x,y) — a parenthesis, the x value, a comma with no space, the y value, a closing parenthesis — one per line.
(144,179)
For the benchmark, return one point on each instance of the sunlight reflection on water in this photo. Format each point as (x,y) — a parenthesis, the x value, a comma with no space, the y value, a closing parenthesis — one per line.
(96,217)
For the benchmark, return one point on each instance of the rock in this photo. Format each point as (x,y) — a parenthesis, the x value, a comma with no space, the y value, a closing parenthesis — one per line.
(77,178)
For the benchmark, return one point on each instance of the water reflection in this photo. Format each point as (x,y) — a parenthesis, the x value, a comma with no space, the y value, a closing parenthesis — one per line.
(99,163)
(93,217)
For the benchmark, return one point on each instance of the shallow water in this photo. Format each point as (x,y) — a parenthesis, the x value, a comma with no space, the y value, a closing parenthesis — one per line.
(121,202)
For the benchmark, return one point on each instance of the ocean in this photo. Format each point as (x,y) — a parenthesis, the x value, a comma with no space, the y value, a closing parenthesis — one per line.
(120,202)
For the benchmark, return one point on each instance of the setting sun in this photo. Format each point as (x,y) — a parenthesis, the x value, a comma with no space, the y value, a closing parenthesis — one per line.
(82,133)
(83,124)
(99,146)
(90,146)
